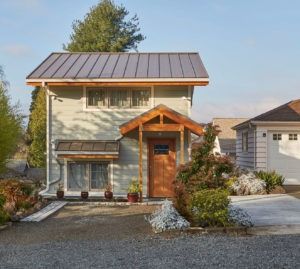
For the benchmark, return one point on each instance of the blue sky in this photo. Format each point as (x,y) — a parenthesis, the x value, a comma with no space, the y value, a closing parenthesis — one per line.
(251,49)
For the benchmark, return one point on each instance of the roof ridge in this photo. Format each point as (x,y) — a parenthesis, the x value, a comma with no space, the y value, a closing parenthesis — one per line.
(126,52)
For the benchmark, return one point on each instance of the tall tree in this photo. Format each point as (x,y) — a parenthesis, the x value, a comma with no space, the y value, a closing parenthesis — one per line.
(105,28)
(36,131)
(10,123)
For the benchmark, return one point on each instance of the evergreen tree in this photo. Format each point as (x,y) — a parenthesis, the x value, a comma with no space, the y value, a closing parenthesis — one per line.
(105,28)
(10,124)
(36,131)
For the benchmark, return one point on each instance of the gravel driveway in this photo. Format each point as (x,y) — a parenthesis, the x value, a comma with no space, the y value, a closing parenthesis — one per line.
(90,236)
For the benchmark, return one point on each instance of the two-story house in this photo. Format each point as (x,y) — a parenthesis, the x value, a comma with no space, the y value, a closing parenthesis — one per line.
(115,116)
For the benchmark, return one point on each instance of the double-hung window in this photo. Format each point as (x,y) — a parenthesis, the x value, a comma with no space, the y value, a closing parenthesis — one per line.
(118,97)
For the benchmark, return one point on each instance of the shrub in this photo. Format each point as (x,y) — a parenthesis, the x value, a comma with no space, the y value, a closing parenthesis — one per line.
(205,170)
(4,217)
(181,200)
(2,201)
(210,208)
(134,186)
(248,184)
(271,178)
(167,218)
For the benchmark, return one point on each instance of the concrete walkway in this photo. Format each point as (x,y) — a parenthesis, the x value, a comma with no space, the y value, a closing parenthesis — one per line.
(45,212)
(265,210)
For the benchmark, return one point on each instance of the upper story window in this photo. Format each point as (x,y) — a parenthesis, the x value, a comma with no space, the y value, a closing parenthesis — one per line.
(245,141)
(118,97)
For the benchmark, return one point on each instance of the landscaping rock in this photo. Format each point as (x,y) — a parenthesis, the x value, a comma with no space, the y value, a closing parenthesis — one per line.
(278,190)
(239,216)
(167,218)
(248,184)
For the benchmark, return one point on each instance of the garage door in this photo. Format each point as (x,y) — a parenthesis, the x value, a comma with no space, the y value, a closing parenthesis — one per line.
(284,155)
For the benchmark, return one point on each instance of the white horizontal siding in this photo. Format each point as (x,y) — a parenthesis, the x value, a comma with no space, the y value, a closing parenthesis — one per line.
(69,120)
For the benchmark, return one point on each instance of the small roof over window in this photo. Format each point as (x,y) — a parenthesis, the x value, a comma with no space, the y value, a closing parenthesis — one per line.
(88,149)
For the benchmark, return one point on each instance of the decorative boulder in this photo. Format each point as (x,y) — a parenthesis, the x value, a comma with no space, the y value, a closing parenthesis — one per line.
(239,216)
(248,184)
(167,218)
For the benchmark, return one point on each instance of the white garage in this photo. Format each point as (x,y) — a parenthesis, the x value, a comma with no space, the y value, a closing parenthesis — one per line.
(284,155)
(271,141)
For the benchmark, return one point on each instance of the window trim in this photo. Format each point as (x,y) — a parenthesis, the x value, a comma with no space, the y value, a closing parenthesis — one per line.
(245,135)
(276,136)
(98,191)
(293,137)
(109,108)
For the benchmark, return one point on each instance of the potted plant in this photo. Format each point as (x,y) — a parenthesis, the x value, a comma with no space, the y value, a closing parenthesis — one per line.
(60,191)
(133,191)
(84,194)
(108,194)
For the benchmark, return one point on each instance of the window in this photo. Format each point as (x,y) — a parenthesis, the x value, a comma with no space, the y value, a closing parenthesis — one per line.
(293,137)
(97,97)
(161,149)
(277,137)
(118,97)
(140,98)
(245,141)
(87,175)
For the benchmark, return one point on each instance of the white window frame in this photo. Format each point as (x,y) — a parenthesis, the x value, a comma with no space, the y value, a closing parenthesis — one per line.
(293,136)
(109,108)
(245,141)
(99,192)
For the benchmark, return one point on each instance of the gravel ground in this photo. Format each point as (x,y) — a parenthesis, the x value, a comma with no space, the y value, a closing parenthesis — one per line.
(118,237)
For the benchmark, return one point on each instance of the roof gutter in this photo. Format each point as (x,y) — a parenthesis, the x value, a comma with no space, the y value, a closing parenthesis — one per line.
(127,81)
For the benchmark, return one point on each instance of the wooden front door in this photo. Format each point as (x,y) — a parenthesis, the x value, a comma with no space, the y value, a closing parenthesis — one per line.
(162,167)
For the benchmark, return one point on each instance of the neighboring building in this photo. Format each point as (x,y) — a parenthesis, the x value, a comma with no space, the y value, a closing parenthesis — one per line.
(226,139)
(271,141)
(115,116)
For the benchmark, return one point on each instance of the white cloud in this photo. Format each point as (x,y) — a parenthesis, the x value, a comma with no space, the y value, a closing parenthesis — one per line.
(246,109)
(16,50)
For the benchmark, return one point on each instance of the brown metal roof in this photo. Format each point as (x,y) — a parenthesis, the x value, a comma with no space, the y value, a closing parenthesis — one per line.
(93,146)
(105,65)
(289,112)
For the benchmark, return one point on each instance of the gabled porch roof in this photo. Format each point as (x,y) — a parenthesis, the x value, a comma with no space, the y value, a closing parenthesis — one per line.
(162,111)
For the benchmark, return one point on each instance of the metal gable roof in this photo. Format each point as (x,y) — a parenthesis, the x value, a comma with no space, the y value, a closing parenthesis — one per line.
(105,65)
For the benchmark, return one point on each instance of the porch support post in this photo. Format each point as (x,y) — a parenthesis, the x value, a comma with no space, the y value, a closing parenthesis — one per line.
(182,144)
(141,161)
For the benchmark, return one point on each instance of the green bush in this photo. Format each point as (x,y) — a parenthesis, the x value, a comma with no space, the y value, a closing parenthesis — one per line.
(271,178)
(4,217)
(2,201)
(23,204)
(210,208)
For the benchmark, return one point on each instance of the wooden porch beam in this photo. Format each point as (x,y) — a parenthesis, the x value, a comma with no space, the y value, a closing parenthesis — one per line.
(162,127)
(161,118)
(141,161)
(182,144)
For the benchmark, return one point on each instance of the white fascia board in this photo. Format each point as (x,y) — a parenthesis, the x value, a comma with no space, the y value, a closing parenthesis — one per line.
(280,123)
(119,80)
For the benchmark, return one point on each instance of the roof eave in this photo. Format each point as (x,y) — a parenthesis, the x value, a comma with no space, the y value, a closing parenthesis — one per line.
(127,81)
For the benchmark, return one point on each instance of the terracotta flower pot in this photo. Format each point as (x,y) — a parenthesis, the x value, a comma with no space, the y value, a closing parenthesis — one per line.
(108,195)
(84,194)
(60,194)
(133,197)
